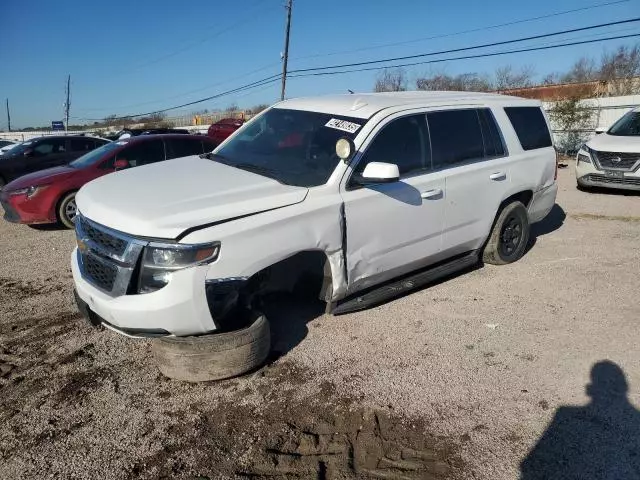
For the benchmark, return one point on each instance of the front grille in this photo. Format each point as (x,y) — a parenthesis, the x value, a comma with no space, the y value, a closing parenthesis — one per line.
(99,273)
(103,239)
(107,258)
(618,161)
(613,180)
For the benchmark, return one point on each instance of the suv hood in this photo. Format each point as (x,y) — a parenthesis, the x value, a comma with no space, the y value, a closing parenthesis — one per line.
(615,143)
(165,199)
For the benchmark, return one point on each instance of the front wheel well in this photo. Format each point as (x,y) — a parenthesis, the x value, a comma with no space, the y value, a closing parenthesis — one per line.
(307,273)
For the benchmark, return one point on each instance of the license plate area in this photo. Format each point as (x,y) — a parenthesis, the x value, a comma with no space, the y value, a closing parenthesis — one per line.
(614,174)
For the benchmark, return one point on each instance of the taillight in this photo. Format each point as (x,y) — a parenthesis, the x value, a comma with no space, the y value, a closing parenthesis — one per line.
(555,175)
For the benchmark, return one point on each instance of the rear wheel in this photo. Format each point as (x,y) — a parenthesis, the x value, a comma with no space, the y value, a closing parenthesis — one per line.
(67,210)
(509,236)
(215,356)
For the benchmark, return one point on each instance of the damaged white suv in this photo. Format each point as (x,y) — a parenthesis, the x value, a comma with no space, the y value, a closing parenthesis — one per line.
(355,198)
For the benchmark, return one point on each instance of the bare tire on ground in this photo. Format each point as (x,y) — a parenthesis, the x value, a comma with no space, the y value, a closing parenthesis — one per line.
(509,236)
(215,356)
(67,210)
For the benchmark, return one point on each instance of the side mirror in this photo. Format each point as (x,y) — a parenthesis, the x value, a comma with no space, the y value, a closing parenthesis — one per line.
(380,172)
(121,163)
(600,130)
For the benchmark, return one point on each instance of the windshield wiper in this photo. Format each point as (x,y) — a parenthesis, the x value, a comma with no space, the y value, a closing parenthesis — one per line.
(264,171)
(213,156)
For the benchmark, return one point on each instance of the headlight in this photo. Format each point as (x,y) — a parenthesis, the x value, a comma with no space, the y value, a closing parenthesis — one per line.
(159,260)
(584,154)
(29,191)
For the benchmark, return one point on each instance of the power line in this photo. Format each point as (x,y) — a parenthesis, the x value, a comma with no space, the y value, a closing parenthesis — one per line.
(185,93)
(480,29)
(466,57)
(319,71)
(259,83)
(462,49)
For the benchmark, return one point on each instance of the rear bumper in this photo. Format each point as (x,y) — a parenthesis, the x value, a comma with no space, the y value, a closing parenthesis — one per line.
(542,203)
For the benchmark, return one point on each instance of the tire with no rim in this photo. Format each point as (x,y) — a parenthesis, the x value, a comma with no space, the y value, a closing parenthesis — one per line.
(215,356)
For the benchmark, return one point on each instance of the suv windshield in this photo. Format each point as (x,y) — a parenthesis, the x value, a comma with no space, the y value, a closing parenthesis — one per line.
(95,155)
(627,126)
(294,147)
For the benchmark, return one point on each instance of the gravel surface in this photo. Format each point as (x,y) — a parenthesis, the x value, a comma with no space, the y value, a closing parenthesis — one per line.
(471,378)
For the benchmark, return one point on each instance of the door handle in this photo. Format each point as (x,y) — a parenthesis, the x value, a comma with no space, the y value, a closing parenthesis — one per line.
(498,176)
(432,194)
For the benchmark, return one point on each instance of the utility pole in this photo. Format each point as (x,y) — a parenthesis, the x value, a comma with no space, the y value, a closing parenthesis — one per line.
(285,58)
(8,116)
(67,104)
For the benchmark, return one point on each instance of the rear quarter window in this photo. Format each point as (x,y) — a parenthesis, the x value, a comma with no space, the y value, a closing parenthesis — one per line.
(530,126)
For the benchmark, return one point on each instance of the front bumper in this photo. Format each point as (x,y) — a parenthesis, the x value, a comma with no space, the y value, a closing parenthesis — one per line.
(180,308)
(20,209)
(587,175)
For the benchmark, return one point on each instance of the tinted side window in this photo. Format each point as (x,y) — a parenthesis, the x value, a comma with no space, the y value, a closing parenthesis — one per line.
(143,153)
(530,126)
(493,146)
(183,147)
(455,137)
(81,144)
(403,142)
(47,147)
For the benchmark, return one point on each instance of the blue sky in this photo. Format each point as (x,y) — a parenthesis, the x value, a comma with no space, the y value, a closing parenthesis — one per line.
(135,56)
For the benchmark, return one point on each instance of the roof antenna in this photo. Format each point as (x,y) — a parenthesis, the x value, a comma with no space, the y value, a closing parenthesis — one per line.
(350,91)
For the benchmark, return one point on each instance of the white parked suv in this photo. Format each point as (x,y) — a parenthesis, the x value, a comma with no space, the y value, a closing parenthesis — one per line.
(355,198)
(612,159)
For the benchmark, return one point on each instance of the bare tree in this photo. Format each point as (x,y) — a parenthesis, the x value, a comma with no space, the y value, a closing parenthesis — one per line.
(391,80)
(621,69)
(507,78)
(551,79)
(467,82)
(583,70)
(258,108)
(232,108)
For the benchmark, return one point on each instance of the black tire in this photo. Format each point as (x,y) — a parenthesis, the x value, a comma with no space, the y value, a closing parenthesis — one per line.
(215,356)
(67,209)
(509,235)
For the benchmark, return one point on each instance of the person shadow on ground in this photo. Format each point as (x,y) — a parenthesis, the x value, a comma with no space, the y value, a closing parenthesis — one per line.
(600,440)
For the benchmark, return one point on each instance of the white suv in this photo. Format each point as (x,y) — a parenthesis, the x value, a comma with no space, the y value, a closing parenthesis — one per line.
(612,159)
(356,198)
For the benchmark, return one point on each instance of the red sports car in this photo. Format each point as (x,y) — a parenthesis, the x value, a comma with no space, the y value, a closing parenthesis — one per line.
(220,130)
(48,196)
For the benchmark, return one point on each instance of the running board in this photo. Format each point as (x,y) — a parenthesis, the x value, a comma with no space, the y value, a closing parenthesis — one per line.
(395,288)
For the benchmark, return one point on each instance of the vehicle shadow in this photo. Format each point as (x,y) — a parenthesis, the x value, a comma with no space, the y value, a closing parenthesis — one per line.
(288,316)
(48,227)
(552,222)
(600,440)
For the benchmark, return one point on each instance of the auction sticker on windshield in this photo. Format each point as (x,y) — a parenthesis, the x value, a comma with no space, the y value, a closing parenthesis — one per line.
(342,125)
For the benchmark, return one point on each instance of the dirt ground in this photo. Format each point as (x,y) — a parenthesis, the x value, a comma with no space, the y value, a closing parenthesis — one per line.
(528,370)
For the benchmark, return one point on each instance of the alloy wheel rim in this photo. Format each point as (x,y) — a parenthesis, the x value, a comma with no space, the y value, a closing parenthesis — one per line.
(71,210)
(511,235)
